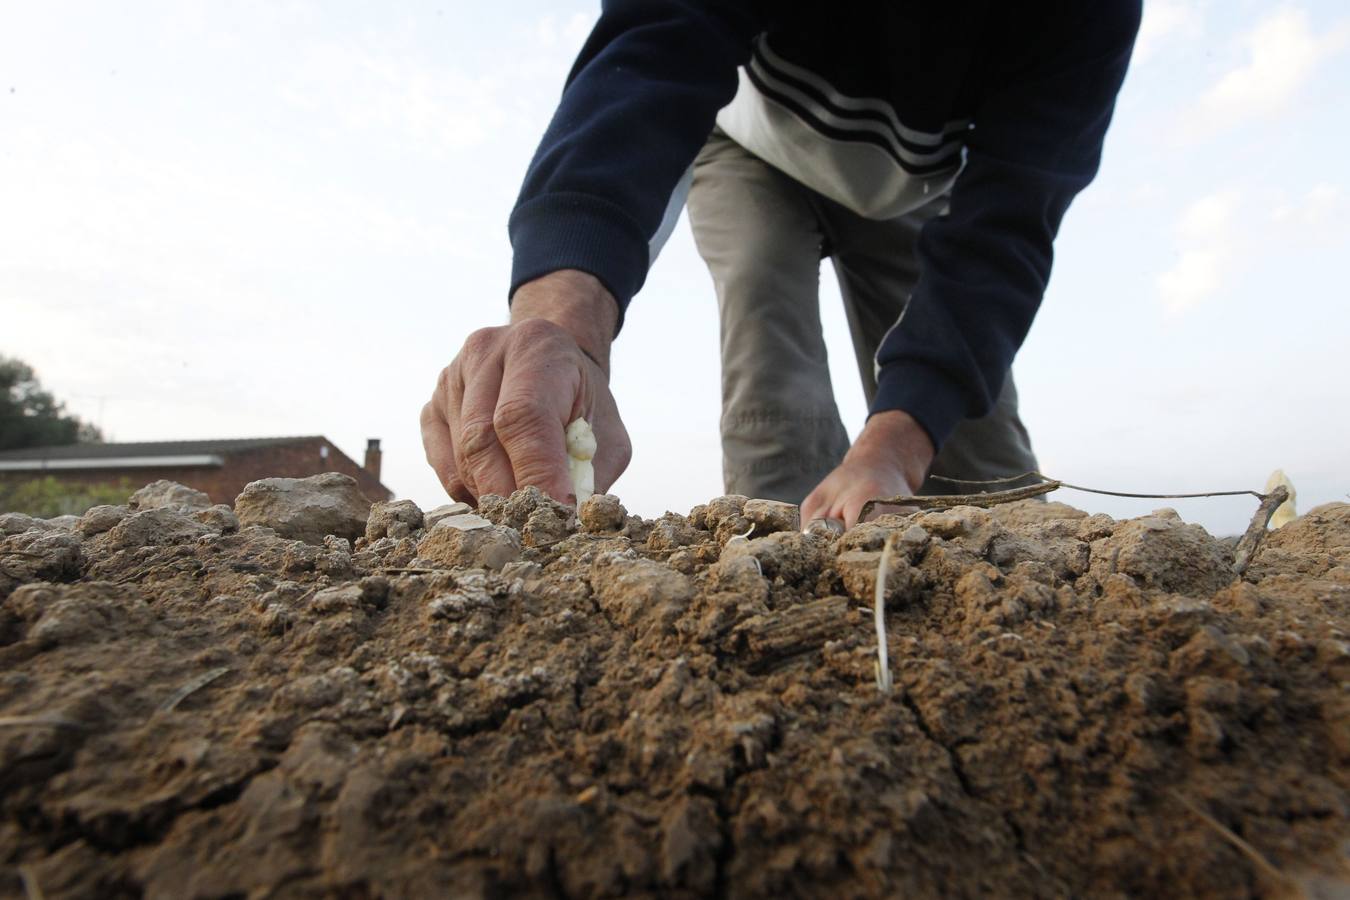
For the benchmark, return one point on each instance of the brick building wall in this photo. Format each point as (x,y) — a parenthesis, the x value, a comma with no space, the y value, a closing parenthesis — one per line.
(223,483)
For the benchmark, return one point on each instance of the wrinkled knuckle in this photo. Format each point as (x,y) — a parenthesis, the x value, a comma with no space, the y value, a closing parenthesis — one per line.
(443,381)
(481,339)
(477,439)
(479,343)
(519,416)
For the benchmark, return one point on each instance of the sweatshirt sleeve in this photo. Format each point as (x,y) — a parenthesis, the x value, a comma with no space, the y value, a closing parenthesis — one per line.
(1036,143)
(637,106)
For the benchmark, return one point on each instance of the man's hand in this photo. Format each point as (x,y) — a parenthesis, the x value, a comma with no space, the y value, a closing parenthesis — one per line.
(496,420)
(890,457)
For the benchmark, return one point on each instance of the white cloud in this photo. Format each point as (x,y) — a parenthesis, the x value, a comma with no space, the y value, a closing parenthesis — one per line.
(569,36)
(1209,218)
(389,89)
(1281,51)
(1320,206)
(1164,20)
(434,109)
(1206,253)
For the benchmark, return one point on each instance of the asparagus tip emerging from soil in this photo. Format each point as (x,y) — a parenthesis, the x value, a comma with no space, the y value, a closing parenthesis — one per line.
(879,613)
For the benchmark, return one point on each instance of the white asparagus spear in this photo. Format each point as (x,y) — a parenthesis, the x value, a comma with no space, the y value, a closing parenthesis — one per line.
(580,451)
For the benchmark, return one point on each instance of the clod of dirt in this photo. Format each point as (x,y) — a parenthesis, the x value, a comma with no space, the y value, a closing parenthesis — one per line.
(1316,543)
(791,556)
(169,495)
(671,532)
(219,517)
(306,509)
(640,594)
(154,527)
(99,519)
(18,523)
(394,518)
(769,516)
(679,707)
(723,516)
(859,569)
(486,547)
(38,554)
(540,520)
(1034,512)
(601,513)
(1161,551)
(80,613)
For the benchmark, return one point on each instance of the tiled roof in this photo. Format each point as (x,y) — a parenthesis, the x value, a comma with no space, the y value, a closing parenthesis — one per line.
(151,448)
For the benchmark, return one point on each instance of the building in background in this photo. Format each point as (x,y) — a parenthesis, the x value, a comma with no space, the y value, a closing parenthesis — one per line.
(219,468)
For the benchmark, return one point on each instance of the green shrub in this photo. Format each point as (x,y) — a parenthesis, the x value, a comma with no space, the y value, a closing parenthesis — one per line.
(48,497)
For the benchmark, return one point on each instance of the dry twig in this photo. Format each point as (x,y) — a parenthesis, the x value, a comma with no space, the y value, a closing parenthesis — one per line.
(946,501)
(1079,487)
(42,720)
(191,687)
(1251,539)
(745,539)
(1247,850)
(1246,547)
(32,890)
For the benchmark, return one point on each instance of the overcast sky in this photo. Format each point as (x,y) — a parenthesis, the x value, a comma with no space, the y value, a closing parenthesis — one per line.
(267,218)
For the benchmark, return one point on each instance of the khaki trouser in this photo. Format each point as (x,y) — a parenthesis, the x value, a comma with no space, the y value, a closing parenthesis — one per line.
(763,235)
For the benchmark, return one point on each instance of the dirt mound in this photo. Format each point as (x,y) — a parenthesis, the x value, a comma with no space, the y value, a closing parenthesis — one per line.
(1082,707)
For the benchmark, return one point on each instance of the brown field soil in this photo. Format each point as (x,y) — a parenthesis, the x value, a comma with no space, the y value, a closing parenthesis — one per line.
(1082,707)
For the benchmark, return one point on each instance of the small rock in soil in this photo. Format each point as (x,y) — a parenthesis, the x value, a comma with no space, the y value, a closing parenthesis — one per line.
(169,495)
(484,547)
(154,527)
(432,516)
(394,518)
(99,519)
(306,509)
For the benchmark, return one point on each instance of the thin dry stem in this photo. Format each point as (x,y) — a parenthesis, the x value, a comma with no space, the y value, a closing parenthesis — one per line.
(1246,849)
(31,889)
(191,687)
(1256,530)
(41,720)
(745,538)
(946,501)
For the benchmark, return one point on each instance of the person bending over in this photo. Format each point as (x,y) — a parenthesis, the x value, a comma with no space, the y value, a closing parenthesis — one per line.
(929,150)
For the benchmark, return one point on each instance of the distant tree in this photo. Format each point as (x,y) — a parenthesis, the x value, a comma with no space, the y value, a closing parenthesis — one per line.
(31,417)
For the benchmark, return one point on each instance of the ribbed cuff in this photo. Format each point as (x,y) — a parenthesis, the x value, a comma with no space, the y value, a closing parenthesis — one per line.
(936,402)
(578,231)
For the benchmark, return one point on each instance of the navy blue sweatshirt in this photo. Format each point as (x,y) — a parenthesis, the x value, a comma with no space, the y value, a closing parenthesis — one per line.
(1006,104)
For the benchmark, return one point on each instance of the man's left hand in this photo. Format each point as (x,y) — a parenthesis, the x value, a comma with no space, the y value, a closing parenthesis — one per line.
(891,457)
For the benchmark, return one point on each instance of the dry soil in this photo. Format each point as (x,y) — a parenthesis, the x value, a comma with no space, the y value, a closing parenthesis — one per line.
(1082,707)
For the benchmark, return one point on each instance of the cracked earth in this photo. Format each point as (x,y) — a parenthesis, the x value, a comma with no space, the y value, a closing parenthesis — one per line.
(195,702)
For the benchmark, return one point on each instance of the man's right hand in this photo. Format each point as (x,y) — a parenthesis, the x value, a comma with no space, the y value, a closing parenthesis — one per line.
(495,422)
